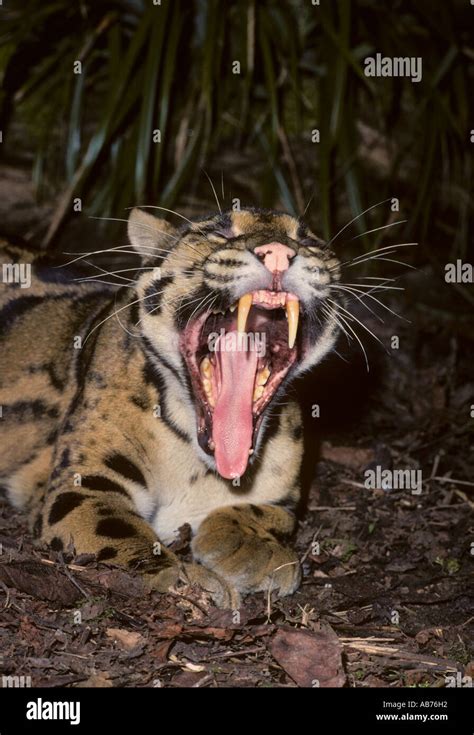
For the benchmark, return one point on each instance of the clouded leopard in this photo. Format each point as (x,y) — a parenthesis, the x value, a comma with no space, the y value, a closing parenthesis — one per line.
(126,415)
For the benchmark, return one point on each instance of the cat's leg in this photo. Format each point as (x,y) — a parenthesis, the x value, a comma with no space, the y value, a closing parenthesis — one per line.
(104,522)
(244,544)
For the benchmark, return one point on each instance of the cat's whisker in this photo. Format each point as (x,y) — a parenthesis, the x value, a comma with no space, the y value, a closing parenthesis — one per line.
(127,306)
(387,247)
(121,249)
(364,257)
(354,318)
(384,306)
(108,283)
(360,298)
(162,303)
(332,314)
(136,224)
(307,206)
(357,338)
(356,218)
(193,301)
(172,211)
(204,302)
(214,192)
(376,286)
(124,270)
(107,273)
(387,260)
(376,229)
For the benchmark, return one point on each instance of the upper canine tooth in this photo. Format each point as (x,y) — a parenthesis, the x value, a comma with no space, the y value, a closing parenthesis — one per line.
(293,314)
(245,302)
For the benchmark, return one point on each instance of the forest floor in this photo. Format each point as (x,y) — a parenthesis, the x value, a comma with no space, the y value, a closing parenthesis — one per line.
(387,598)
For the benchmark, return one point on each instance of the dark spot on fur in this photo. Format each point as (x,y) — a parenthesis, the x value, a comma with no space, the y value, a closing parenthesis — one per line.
(38,526)
(97,378)
(51,370)
(107,512)
(56,544)
(134,313)
(27,410)
(125,467)
(51,438)
(97,482)
(152,376)
(256,510)
(135,561)
(153,295)
(193,479)
(65,458)
(140,402)
(297,432)
(64,504)
(288,503)
(116,528)
(108,552)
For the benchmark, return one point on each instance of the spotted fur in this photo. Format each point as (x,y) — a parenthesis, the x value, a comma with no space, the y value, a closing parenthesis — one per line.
(98,430)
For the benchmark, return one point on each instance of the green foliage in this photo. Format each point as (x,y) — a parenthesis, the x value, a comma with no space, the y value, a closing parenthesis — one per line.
(169,67)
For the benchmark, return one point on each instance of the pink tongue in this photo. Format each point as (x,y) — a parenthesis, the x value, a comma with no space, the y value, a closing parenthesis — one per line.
(232,427)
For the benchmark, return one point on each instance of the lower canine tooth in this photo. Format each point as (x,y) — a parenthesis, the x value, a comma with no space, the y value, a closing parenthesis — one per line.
(293,314)
(258,392)
(245,302)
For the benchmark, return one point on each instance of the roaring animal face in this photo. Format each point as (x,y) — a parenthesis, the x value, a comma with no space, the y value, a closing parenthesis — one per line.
(236,307)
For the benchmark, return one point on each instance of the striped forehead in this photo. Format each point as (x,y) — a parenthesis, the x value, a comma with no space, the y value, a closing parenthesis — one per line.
(247,222)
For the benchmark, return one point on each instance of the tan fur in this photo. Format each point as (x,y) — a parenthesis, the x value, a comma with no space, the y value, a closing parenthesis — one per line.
(99,441)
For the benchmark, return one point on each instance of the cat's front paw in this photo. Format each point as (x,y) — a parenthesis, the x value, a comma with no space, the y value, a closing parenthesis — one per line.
(248,557)
(173,578)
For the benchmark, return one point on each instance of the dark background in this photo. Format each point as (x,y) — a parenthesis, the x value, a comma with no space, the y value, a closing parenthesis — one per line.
(170,67)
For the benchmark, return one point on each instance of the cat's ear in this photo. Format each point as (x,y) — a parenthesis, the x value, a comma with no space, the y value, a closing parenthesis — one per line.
(150,236)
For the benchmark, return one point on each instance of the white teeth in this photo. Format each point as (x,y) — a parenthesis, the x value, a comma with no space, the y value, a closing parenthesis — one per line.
(245,302)
(258,392)
(263,376)
(250,452)
(293,315)
(232,308)
(211,445)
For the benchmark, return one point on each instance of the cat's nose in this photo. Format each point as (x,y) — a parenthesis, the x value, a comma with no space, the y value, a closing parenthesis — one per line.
(275,256)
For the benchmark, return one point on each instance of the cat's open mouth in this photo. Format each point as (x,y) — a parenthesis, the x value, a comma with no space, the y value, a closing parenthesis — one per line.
(237,360)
